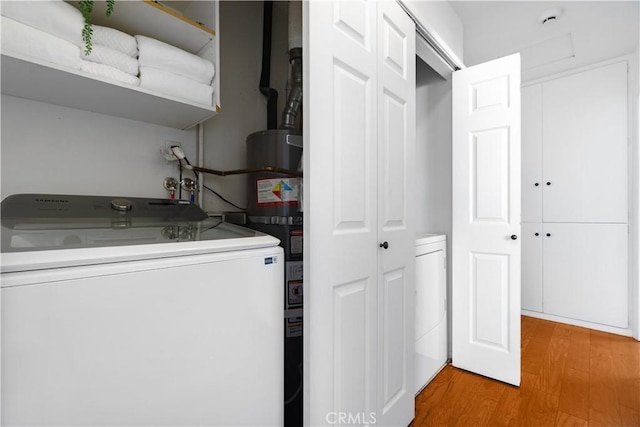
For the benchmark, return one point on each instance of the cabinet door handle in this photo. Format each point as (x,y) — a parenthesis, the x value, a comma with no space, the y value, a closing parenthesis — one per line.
(537,234)
(548,182)
(384,245)
(514,237)
(548,234)
(536,184)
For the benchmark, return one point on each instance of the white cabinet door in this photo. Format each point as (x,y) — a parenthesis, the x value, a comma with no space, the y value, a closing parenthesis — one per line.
(532,266)
(585,272)
(532,154)
(486,214)
(585,146)
(359,157)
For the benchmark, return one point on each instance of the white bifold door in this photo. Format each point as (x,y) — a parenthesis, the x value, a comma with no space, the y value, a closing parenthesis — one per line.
(486,219)
(359,230)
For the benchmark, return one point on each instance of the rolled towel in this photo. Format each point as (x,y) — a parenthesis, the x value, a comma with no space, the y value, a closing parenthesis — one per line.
(175,85)
(156,54)
(55,17)
(107,56)
(109,72)
(27,41)
(115,39)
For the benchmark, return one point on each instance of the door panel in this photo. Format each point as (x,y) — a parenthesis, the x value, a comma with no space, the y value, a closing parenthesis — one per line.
(489,320)
(585,272)
(486,219)
(341,239)
(532,266)
(353,184)
(359,158)
(490,175)
(532,153)
(350,346)
(585,146)
(396,161)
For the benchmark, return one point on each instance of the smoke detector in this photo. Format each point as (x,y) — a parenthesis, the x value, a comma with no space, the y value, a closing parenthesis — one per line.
(550,15)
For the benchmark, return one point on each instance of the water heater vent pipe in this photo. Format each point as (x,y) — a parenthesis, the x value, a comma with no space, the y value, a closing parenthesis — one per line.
(294,101)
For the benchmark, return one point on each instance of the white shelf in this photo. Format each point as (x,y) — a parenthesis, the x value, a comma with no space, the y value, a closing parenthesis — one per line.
(144,17)
(30,79)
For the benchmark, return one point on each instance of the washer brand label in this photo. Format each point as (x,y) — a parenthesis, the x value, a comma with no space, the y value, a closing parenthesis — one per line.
(277,192)
(271,260)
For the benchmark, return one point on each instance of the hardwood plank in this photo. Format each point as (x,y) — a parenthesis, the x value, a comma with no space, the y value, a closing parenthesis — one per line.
(428,401)
(603,398)
(579,349)
(626,354)
(477,413)
(527,328)
(553,363)
(629,416)
(574,398)
(543,410)
(461,392)
(567,420)
(600,386)
(507,409)
(533,355)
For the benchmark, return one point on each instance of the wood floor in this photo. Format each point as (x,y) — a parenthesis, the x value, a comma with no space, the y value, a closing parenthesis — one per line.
(571,376)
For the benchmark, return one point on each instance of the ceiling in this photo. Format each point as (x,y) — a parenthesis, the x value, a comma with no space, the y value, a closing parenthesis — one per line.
(585,33)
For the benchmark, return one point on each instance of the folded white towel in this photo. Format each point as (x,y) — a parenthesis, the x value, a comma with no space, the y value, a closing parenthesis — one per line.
(109,72)
(115,39)
(175,85)
(27,41)
(107,56)
(156,54)
(54,17)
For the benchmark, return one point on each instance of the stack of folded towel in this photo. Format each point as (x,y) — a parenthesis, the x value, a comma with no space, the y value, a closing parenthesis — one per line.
(113,55)
(173,71)
(49,31)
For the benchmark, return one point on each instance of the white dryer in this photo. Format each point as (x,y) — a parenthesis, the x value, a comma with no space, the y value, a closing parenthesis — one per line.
(430,307)
(126,312)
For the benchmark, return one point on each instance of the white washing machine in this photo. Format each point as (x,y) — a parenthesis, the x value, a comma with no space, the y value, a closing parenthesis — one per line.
(431,307)
(137,312)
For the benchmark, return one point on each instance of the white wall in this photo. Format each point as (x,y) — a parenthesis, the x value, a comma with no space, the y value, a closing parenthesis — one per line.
(433,151)
(50,149)
(598,30)
(243,106)
(433,157)
(634,203)
(439,18)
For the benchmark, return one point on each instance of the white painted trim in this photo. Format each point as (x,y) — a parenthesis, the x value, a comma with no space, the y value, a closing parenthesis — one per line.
(434,41)
(628,58)
(444,365)
(575,322)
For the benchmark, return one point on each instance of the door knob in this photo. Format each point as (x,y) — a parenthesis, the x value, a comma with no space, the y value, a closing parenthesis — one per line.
(514,237)
(384,245)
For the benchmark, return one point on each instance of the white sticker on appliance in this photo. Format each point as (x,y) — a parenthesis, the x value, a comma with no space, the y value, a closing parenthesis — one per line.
(277,191)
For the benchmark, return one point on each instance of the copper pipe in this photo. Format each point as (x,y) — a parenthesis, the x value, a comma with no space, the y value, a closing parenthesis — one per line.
(271,169)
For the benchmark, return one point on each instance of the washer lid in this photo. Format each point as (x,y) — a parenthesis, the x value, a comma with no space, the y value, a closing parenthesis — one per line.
(40,231)
(424,238)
